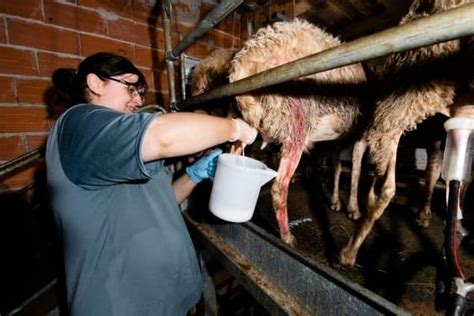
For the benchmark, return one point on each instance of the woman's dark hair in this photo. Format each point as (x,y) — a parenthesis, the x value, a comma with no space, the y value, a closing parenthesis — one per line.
(104,65)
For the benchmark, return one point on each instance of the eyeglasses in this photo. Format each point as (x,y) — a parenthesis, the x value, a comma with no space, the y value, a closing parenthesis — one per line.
(134,89)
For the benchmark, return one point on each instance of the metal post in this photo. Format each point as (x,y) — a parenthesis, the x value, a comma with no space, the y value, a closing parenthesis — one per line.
(166,9)
(440,27)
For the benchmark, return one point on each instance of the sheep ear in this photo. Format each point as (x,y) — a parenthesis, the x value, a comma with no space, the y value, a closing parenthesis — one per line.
(95,84)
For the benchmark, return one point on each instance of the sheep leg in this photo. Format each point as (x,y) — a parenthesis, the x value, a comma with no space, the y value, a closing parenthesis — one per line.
(290,157)
(432,174)
(358,151)
(380,194)
(336,163)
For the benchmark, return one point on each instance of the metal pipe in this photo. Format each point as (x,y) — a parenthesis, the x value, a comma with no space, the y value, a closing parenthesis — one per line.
(440,27)
(20,161)
(152,108)
(182,75)
(166,9)
(212,18)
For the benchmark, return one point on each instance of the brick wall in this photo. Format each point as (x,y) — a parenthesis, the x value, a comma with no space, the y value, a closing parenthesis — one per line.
(38,37)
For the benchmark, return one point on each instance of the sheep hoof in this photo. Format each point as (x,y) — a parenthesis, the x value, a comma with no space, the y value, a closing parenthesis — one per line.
(346,258)
(423,219)
(289,239)
(423,222)
(336,206)
(354,215)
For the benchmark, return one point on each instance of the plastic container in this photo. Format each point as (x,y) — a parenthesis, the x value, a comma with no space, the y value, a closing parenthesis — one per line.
(457,157)
(236,187)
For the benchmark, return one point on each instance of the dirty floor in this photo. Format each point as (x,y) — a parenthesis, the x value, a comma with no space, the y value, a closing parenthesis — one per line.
(399,260)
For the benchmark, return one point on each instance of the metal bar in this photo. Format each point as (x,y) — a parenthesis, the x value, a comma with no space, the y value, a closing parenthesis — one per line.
(281,271)
(166,9)
(182,75)
(440,27)
(211,19)
(267,293)
(152,108)
(19,162)
(43,298)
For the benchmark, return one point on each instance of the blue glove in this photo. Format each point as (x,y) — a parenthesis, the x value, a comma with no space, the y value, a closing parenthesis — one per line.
(204,167)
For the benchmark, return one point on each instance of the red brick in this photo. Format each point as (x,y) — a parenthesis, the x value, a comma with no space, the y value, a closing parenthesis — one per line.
(188,12)
(74,17)
(114,7)
(93,44)
(148,77)
(222,39)
(154,97)
(17,61)
(22,177)
(35,141)
(3,31)
(149,58)
(166,99)
(24,119)
(142,10)
(11,147)
(160,39)
(44,37)
(150,97)
(201,50)
(48,63)
(129,31)
(32,91)
(161,80)
(185,28)
(7,89)
(218,39)
(206,8)
(24,8)
(227,25)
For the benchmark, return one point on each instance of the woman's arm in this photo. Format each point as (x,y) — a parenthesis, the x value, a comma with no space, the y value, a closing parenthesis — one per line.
(179,134)
(182,187)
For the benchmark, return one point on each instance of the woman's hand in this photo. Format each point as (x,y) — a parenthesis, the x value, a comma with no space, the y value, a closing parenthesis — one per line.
(204,167)
(243,132)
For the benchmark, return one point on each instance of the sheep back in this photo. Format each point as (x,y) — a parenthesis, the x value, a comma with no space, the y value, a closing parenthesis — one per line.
(271,110)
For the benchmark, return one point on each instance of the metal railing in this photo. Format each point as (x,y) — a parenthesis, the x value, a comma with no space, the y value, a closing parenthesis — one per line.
(442,27)
(439,27)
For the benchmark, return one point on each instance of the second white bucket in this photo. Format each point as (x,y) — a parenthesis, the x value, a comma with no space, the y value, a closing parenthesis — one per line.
(236,187)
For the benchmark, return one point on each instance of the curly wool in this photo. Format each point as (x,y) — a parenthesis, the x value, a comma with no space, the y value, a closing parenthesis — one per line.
(421,89)
(272,110)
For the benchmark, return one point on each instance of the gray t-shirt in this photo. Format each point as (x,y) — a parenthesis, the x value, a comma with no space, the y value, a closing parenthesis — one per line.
(126,247)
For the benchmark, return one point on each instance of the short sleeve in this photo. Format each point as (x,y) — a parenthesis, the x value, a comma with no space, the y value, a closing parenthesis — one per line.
(101,147)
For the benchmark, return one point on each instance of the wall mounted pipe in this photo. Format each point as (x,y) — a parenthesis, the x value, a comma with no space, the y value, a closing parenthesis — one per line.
(442,26)
(20,161)
(426,31)
(166,13)
(210,20)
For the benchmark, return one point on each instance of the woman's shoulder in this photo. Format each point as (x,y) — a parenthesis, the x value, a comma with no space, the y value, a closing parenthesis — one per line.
(84,108)
(88,113)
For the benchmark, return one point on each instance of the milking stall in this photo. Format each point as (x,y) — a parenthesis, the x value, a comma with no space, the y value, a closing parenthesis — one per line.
(354,198)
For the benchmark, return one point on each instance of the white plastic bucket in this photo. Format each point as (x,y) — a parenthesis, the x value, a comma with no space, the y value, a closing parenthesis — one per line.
(236,187)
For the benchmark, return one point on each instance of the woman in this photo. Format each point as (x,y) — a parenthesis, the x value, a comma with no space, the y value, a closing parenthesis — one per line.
(126,247)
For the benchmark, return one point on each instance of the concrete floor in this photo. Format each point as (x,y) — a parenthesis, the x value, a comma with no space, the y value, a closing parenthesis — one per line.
(398,260)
